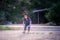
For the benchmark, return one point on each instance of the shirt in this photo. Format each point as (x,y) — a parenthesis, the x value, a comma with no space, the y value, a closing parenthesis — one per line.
(27,21)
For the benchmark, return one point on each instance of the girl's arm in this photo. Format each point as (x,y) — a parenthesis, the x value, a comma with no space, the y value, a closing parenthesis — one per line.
(23,22)
(30,22)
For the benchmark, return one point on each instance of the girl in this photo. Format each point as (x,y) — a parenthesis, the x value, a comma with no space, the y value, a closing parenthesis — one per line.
(26,23)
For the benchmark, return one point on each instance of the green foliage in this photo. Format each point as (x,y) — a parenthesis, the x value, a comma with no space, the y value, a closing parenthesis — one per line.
(12,9)
(54,14)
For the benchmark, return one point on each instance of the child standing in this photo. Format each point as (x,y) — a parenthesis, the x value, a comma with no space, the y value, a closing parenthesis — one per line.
(26,23)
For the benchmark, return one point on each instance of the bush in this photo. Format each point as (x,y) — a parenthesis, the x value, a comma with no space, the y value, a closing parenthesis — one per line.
(54,14)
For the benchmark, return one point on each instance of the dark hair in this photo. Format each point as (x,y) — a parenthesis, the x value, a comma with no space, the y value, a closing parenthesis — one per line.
(27,15)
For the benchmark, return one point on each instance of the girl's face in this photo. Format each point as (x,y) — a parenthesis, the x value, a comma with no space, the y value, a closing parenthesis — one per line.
(25,16)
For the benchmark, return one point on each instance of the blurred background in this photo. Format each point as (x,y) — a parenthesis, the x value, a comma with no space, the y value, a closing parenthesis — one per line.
(41,11)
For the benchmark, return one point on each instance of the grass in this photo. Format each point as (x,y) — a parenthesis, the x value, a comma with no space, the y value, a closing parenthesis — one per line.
(5,28)
(9,28)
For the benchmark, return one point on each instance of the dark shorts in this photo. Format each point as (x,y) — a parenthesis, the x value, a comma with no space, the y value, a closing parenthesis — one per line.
(26,26)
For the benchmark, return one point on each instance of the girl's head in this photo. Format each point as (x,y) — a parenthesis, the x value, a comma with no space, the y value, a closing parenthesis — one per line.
(26,16)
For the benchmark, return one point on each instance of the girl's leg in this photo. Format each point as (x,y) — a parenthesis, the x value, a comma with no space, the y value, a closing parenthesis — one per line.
(25,28)
(28,28)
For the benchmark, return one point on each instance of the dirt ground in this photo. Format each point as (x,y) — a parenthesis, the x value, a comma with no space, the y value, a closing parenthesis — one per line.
(38,32)
(33,35)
